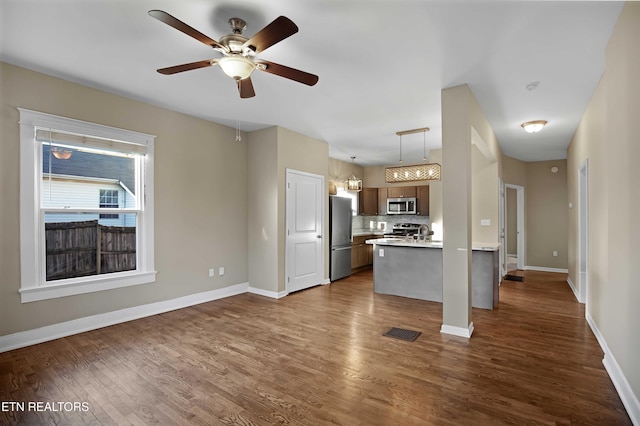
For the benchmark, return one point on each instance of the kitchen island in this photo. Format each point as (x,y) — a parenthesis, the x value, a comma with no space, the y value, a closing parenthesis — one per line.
(410,268)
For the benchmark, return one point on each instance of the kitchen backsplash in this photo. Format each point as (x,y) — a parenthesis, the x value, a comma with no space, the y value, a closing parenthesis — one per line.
(385,223)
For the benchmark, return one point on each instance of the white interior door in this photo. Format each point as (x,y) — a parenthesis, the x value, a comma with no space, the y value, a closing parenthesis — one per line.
(520,232)
(304,220)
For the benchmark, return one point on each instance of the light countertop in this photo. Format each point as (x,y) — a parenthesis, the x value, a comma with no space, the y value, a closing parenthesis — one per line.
(361,232)
(402,242)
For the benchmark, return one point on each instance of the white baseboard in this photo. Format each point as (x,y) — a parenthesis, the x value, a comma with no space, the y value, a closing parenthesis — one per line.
(574,289)
(544,269)
(457,331)
(93,322)
(277,295)
(267,293)
(629,399)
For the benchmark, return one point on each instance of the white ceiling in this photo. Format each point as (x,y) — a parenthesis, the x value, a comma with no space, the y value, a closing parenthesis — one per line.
(382,64)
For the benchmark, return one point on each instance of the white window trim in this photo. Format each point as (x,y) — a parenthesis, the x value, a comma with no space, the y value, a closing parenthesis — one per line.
(33,286)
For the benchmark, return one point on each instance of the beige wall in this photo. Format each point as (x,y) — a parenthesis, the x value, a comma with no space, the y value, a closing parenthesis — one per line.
(607,139)
(271,152)
(514,171)
(547,210)
(456,209)
(305,154)
(484,198)
(263,209)
(340,171)
(200,199)
(471,169)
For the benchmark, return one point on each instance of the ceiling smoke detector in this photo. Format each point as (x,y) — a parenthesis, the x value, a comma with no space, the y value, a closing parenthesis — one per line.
(532,86)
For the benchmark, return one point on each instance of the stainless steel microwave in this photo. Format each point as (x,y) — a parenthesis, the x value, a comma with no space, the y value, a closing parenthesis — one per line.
(401,205)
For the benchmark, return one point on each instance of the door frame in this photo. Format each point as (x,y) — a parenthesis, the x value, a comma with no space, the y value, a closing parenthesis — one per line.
(583,232)
(519,223)
(288,200)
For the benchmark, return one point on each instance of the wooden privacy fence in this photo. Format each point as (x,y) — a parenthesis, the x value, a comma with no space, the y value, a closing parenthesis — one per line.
(77,249)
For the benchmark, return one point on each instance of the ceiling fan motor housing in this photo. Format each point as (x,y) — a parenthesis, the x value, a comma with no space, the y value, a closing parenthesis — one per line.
(237,25)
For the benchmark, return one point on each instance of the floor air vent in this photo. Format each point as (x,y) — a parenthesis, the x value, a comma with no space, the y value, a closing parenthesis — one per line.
(402,334)
(514,278)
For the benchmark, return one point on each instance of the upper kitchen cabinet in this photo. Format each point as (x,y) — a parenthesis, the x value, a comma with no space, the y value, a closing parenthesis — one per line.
(401,191)
(382,201)
(422,200)
(368,202)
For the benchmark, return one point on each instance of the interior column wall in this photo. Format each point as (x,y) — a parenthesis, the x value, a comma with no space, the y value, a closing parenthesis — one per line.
(456,211)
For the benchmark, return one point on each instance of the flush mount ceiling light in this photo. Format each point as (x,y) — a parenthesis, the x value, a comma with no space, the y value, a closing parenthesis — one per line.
(353,183)
(533,126)
(416,172)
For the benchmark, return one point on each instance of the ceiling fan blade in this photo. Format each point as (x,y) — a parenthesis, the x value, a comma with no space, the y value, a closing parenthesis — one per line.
(163,16)
(281,28)
(287,72)
(245,87)
(186,67)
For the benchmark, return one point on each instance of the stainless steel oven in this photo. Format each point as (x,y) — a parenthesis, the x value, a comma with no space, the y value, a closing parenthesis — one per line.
(401,205)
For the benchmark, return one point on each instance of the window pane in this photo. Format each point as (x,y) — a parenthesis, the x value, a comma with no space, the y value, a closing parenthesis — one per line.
(109,200)
(79,244)
(74,178)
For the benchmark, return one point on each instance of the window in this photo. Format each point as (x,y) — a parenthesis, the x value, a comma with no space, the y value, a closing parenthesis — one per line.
(86,206)
(109,200)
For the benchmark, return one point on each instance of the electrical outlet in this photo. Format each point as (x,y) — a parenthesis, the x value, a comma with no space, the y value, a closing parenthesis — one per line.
(212,272)
(555,253)
(381,252)
(221,271)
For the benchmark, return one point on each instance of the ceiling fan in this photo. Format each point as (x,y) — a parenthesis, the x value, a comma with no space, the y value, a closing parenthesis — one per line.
(239,52)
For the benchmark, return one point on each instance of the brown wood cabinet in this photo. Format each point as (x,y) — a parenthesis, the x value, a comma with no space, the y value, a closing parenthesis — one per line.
(401,191)
(359,251)
(368,201)
(422,209)
(382,201)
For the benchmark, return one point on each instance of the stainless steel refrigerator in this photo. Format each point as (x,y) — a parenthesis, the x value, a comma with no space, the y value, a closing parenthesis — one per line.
(340,237)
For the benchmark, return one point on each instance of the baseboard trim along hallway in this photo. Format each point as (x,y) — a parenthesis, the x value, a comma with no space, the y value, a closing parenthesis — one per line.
(629,399)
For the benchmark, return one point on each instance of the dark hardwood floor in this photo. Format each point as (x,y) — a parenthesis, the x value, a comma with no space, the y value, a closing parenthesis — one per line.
(319,357)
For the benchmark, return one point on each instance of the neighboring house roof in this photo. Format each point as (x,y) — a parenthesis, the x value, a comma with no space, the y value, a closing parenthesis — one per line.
(88,164)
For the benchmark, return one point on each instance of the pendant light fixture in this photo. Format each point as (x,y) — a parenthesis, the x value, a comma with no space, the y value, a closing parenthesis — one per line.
(353,183)
(426,171)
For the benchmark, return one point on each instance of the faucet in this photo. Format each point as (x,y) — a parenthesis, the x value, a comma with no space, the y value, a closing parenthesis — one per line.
(424,233)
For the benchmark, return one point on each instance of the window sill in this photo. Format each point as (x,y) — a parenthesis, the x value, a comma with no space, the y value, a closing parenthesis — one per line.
(86,285)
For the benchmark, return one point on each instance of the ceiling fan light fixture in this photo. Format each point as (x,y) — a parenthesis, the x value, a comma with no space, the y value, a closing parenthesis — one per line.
(533,126)
(236,66)
(61,153)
